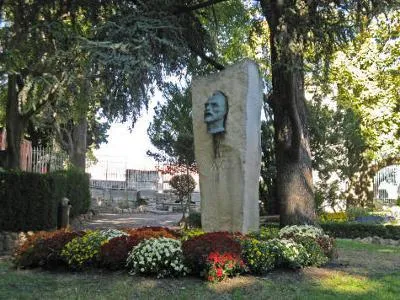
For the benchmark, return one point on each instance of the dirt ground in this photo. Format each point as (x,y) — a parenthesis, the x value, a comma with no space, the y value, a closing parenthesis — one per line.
(131,220)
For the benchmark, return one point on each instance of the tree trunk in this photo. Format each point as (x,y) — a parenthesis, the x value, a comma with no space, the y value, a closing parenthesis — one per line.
(78,149)
(293,157)
(15,125)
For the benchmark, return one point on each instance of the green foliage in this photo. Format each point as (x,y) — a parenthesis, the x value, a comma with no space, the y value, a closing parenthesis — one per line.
(83,251)
(361,230)
(354,116)
(265,233)
(183,185)
(300,230)
(267,187)
(27,201)
(289,253)
(316,255)
(73,184)
(334,217)
(194,220)
(354,212)
(188,234)
(258,255)
(171,130)
(303,233)
(30,201)
(161,257)
(112,233)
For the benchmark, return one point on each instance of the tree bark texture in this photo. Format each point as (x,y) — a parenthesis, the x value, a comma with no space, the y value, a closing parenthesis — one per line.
(293,156)
(78,147)
(15,125)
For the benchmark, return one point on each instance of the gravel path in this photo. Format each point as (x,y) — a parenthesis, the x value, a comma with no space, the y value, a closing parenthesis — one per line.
(114,220)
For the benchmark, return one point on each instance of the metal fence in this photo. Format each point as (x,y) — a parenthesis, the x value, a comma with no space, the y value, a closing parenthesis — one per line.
(45,160)
(387,184)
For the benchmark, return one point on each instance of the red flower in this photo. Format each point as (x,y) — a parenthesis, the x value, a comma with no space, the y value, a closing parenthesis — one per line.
(220,272)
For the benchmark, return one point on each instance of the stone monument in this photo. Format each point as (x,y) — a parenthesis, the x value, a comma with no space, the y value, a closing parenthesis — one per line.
(227,137)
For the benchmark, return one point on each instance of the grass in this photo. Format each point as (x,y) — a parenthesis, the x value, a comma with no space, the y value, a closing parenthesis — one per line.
(362,272)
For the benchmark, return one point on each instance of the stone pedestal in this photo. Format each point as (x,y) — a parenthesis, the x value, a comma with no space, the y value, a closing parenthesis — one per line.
(229,163)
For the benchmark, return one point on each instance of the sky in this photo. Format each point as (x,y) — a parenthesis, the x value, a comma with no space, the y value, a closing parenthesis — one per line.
(125,149)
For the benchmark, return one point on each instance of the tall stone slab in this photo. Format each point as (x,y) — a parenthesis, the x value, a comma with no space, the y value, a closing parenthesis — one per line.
(229,162)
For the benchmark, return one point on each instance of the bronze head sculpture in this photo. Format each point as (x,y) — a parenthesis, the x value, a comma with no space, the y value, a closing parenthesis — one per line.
(215,110)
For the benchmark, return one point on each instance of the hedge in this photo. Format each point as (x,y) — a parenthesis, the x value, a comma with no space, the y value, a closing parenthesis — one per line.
(29,201)
(360,230)
(352,230)
(74,185)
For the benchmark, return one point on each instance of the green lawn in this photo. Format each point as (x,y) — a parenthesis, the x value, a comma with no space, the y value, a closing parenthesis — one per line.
(361,272)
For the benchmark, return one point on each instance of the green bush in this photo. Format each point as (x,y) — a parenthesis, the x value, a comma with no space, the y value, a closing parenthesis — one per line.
(258,256)
(162,257)
(289,253)
(316,256)
(334,217)
(27,202)
(83,251)
(361,230)
(191,233)
(265,233)
(73,184)
(354,212)
(194,220)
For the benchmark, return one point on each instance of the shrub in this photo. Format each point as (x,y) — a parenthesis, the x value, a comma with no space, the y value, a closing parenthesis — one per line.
(265,233)
(112,233)
(258,256)
(220,266)
(300,230)
(152,232)
(43,249)
(194,220)
(83,251)
(161,257)
(197,249)
(289,253)
(191,233)
(27,202)
(316,254)
(113,255)
(361,230)
(24,255)
(334,217)
(183,185)
(328,246)
(354,212)
(73,184)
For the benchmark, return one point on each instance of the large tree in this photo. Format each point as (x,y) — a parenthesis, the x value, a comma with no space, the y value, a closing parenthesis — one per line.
(36,38)
(296,26)
(171,130)
(126,47)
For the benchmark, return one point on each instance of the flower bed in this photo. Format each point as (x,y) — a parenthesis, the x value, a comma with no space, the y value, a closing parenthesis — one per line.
(161,252)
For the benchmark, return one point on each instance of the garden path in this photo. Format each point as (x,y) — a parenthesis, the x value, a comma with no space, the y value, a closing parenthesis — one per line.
(132,220)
